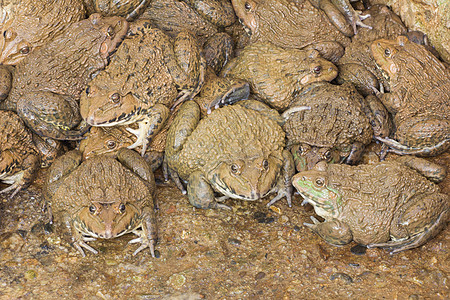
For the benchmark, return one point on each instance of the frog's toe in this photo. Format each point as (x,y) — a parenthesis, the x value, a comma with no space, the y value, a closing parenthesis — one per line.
(15,187)
(145,243)
(79,244)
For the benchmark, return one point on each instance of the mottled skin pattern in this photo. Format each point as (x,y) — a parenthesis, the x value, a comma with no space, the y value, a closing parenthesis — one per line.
(103,197)
(419,97)
(339,119)
(276,74)
(358,65)
(47,84)
(130,9)
(19,158)
(388,204)
(148,74)
(5,82)
(34,24)
(291,24)
(235,151)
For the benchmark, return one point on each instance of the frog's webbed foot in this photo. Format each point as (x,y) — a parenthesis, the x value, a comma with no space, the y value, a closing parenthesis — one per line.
(284,184)
(333,231)
(147,234)
(80,244)
(357,19)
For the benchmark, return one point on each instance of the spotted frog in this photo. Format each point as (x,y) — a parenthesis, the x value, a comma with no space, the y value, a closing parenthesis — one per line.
(103,197)
(47,84)
(419,97)
(390,204)
(275,74)
(236,151)
(148,74)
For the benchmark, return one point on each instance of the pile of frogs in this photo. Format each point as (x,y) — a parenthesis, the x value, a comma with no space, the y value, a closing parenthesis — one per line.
(231,99)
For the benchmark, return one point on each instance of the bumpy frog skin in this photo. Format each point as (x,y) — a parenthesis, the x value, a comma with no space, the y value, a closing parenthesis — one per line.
(5,82)
(144,78)
(388,204)
(419,97)
(130,9)
(291,24)
(19,158)
(34,24)
(47,84)
(235,151)
(103,198)
(275,74)
(336,126)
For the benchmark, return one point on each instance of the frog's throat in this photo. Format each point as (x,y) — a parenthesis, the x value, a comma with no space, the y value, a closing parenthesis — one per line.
(327,199)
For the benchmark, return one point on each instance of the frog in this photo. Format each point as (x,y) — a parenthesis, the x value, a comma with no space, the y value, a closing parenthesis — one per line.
(236,151)
(332,123)
(34,24)
(419,97)
(102,198)
(276,74)
(5,82)
(148,75)
(291,24)
(47,84)
(393,204)
(358,65)
(19,158)
(129,9)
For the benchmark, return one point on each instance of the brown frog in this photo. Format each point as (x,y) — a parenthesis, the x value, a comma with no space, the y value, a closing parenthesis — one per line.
(291,24)
(333,123)
(390,204)
(34,24)
(419,97)
(148,74)
(5,82)
(275,74)
(103,197)
(236,151)
(47,84)
(130,9)
(358,65)
(19,158)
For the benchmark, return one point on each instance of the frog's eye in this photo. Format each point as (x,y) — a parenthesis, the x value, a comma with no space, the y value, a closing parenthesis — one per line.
(110,31)
(115,98)
(111,144)
(8,34)
(247,6)
(25,50)
(265,164)
(317,69)
(88,90)
(122,207)
(234,168)
(319,182)
(387,52)
(92,209)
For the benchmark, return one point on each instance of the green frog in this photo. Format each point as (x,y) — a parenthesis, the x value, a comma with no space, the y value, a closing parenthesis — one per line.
(275,74)
(47,84)
(148,74)
(236,150)
(419,97)
(390,204)
(103,197)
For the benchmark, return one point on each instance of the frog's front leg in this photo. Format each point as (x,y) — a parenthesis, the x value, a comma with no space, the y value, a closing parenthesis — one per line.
(330,50)
(378,116)
(51,115)
(334,231)
(354,17)
(355,153)
(284,185)
(78,240)
(149,125)
(200,193)
(148,234)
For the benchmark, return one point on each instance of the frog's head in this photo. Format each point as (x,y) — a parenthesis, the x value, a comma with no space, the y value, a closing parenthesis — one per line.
(317,69)
(107,220)
(247,179)
(105,140)
(14,46)
(307,156)
(384,52)
(245,11)
(314,187)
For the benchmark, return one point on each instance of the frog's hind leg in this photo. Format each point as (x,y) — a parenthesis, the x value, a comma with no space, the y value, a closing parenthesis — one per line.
(397,148)
(150,125)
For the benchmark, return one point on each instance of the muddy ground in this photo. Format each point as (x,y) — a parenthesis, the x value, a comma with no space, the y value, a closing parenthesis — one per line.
(251,252)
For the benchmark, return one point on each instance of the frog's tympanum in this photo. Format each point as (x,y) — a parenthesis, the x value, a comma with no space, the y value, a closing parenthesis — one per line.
(19,158)
(148,74)
(103,197)
(386,204)
(34,24)
(419,97)
(130,9)
(275,74)
(335,126)
(292,24)
(47,84)
(236,151)
(357,65)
